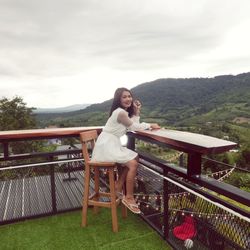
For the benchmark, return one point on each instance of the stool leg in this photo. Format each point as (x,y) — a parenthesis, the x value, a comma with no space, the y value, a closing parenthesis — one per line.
(113,200)
(85,196)
(97,184)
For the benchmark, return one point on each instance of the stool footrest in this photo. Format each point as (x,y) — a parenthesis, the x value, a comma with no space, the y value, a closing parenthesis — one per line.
(99,194)
(104,194)
(101,203)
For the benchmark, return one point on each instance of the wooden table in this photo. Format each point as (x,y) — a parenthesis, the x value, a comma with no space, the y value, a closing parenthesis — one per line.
(43,133)
(195,145)
(34,134)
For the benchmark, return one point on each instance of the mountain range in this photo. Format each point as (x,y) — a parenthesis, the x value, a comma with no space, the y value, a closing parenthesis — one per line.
(61,109)
(173,102)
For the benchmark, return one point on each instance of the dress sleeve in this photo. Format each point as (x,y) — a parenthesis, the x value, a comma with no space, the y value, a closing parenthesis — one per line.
(132,123)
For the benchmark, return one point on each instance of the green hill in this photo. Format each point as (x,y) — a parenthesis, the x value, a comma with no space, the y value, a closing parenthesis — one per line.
(173,102)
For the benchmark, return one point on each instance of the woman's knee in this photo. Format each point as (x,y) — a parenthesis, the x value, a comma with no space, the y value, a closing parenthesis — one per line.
(133,164)
(136,158)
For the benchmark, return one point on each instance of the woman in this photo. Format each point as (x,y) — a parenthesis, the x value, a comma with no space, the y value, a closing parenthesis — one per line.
(124,115)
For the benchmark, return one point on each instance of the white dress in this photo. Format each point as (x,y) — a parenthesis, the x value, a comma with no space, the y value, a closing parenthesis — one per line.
(108,145)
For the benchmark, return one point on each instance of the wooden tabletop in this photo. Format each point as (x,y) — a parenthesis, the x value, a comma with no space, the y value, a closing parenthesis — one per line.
(187,141)
(34,133)
(184,141)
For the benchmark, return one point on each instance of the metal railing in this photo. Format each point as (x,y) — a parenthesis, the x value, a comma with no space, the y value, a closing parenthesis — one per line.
(191,211)
(187,211)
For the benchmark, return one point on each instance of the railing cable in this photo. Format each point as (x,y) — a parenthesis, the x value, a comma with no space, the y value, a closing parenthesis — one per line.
(39,164)
(200,195)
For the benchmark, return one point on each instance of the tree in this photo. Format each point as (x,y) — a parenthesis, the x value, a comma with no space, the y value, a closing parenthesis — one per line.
(15,115)
(244,159)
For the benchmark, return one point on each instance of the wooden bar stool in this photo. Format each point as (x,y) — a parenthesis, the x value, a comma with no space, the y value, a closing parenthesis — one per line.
(88,141)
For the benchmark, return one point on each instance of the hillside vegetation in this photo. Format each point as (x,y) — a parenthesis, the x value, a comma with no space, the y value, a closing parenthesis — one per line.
(173,102)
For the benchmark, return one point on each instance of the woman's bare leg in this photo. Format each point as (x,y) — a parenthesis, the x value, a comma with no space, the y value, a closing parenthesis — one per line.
(119,184)
(129,199)
(130,178)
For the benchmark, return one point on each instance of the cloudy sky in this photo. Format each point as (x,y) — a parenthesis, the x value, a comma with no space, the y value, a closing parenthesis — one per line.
(56,53)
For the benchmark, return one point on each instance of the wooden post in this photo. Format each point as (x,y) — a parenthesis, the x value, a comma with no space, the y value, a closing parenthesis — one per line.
(53,186)
(165,206)
(6,150)
(131,142)
(194,164)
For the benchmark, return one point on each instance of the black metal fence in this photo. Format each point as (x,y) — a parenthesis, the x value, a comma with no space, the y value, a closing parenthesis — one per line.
(188,212)
(191,219)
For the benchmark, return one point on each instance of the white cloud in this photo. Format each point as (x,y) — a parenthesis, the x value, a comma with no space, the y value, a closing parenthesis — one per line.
(57,53)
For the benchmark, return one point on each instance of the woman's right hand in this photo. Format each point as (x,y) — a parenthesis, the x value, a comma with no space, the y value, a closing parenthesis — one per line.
(154,126)
(137,107)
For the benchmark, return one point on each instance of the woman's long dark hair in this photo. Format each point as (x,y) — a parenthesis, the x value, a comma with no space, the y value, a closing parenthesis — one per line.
(117,102)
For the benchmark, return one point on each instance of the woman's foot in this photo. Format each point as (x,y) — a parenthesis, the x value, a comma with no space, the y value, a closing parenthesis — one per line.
(131,204)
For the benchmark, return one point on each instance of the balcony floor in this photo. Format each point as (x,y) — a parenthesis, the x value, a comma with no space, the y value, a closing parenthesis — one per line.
(32,196)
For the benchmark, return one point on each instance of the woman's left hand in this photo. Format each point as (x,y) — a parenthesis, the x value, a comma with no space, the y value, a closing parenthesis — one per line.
(154,126)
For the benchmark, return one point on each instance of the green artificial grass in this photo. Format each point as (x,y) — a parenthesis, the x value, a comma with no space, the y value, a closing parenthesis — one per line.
(64,232)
